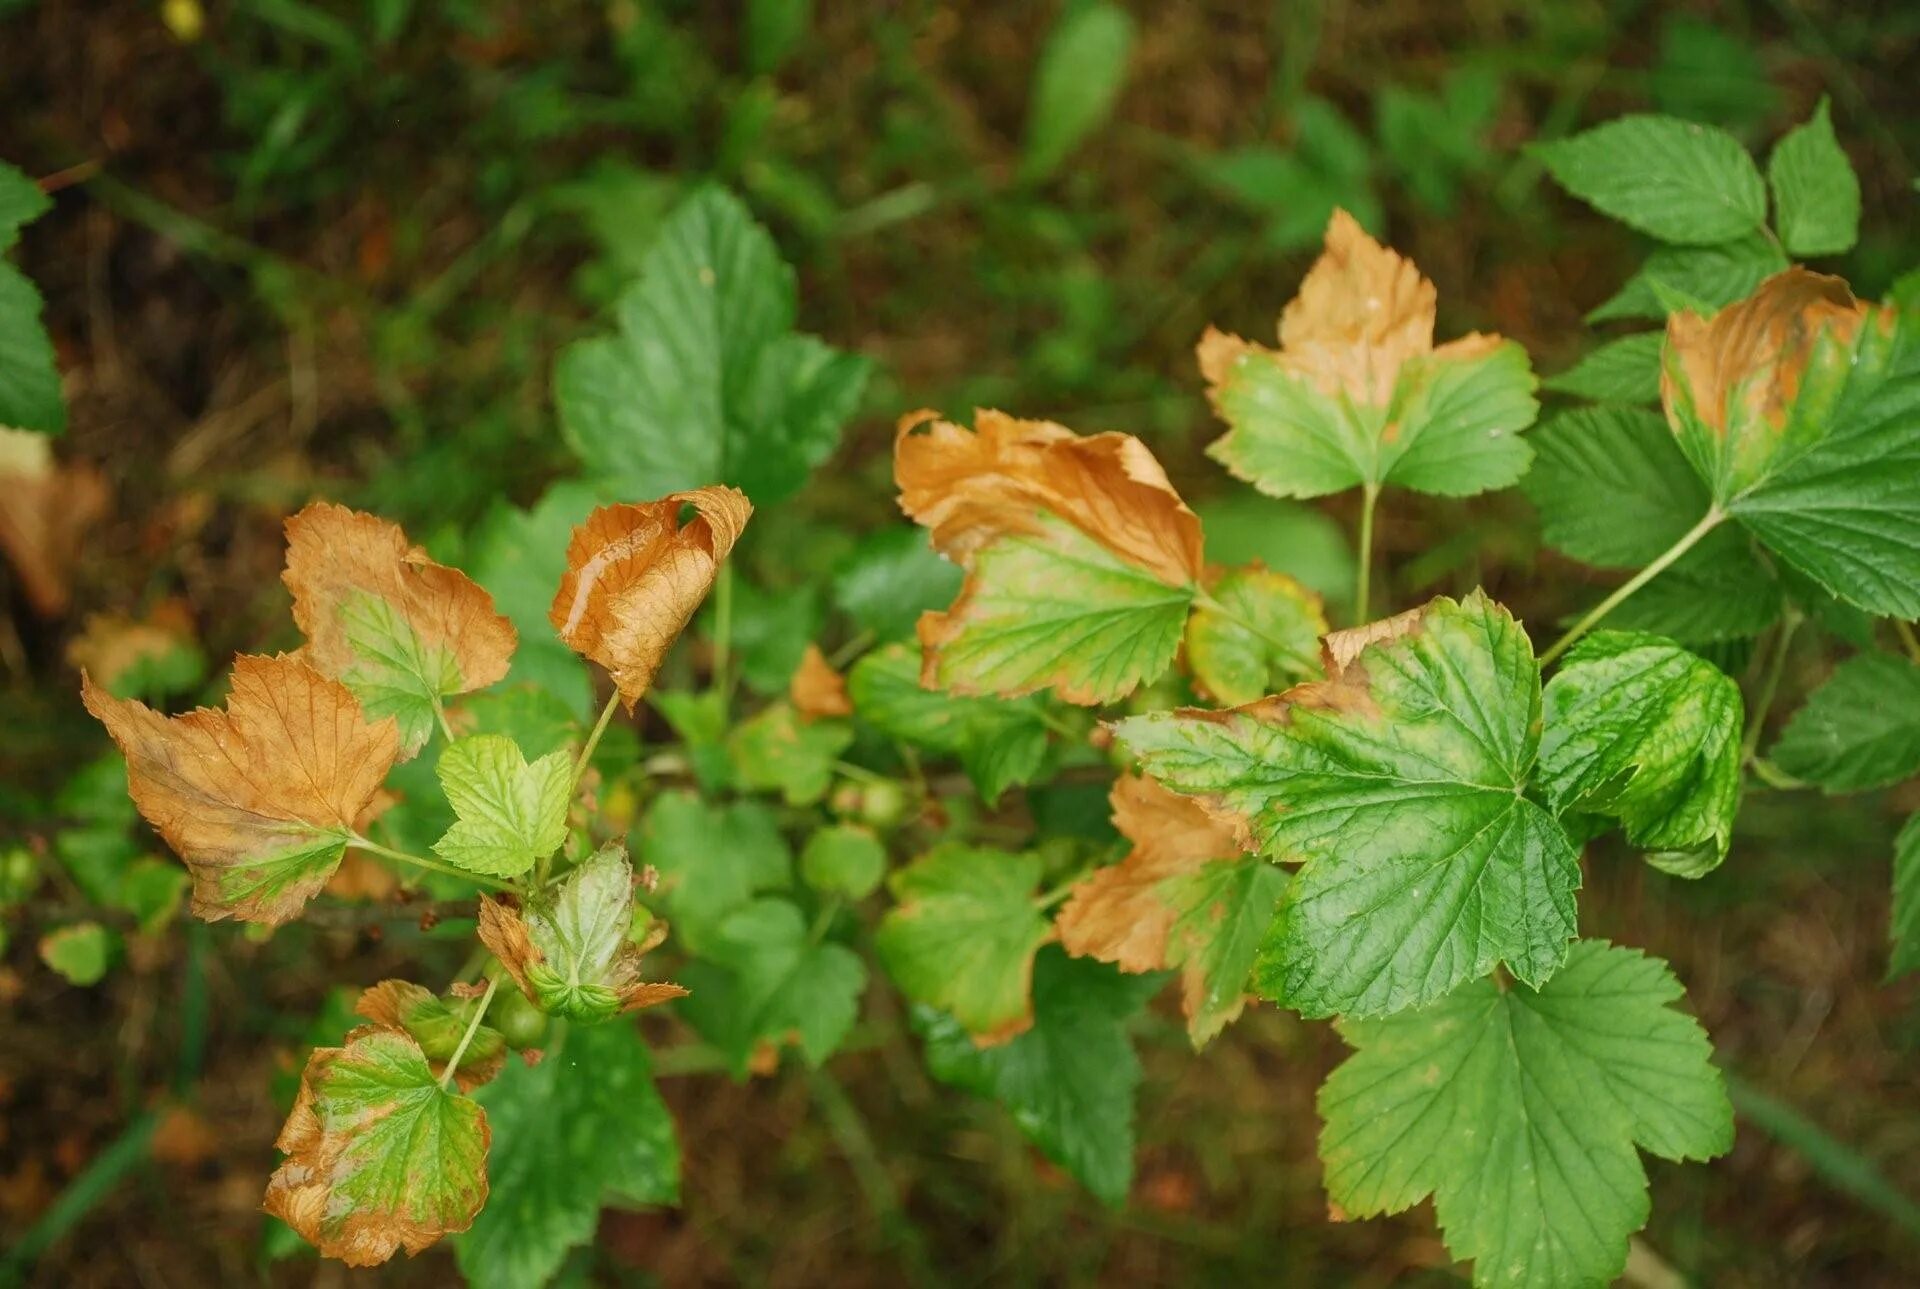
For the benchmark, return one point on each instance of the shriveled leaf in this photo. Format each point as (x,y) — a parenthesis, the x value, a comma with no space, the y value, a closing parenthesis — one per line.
(635,574)
(1398,783)
(80,953)
(705,379)
(1081,559)
(763,979)
(1518,1111)
(260,799)
(781,751)
(1255,634)
(963,934)
(1795,407)
(1069,1081)
(712,859)
(1708,276)
(817,690)
(380,1157)
(1626,370)
(1185,895)
(1905,930)
(511,814)
(1816,196)
(1639,729)
(1859,730)
(438,1027)
(1000,742)
(1676,180)
(844,859)
(402,632)
(583,1128)
(1357,394)
(569,949)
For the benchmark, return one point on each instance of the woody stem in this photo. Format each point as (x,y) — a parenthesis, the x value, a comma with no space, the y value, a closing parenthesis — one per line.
(473,1027)
(1708,522)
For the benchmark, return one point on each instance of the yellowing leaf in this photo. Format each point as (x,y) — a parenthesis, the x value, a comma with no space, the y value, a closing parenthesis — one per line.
(260,800)
(401,631)
(816,689)
(1357,393)
(1081,559)
(1256,633)
(635,575)
(380,1157)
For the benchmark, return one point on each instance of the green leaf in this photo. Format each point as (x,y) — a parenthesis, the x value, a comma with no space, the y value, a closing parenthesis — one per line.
(1680,182)
(379,1155)
(79,954)
(396,673)
(705,380)
(581,931)
(519,556)
(1288,537)
(152,891)
(774,29)
(1905,931)
(1222,913)
(1859,730)
(781,751)
(21,202)
(1626,370)
(1398,783)
(1069,1081)
(511,814)
(1723,589)
(963,934)
(764,979)
(1456,419)
(435,1025)
(1000,742)
(890,579)
(701,721)
(1714,276)
(1807,432)
(538,722)
(1256,633)
(29,377)
(1518,1112)
(1816,196)
(582,1129)
(1082,70)
(1639,729)
(711,860)
(844,859)
(1060,609)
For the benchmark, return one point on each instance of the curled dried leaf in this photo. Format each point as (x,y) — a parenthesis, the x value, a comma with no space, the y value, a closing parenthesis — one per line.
(401,631)
(817,690)
(260,799)
(635,575)
(380,1157)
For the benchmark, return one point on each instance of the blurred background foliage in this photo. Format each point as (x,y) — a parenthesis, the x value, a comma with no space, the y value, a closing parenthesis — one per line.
(305,248)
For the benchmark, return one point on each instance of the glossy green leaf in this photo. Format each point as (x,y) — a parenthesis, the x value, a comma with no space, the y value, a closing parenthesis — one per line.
(963,934)
(1816,196)
(1000,742)
(1082,70)
(705,381)
(1519,1112)
(1256,633)
(511,814)
(1639,729)
(583,1128)
(781,751)
(844,859)
(1399,784)
(1685,183)
(764,979)
(1859,730)
(1069,1081)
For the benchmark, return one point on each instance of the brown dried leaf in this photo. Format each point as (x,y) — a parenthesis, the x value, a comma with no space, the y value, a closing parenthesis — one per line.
(45,510)
(1119,914)
(635,575)
(112,644)
(1005,475)
(381,616)
(817,690)
(259,799)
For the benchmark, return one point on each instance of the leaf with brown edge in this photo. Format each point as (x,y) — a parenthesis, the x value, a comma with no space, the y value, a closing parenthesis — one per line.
(1793,407)
(636,573)
(1359,395)
(1185,896)
(817,690)
(380,1156)
(570,949)
(1081,559)
(402,632)
(260,799)
(410,1009)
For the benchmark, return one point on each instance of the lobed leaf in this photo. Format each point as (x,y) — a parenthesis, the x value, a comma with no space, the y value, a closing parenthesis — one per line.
(711,859)
(1000,742)
(261,799)
(511,814)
